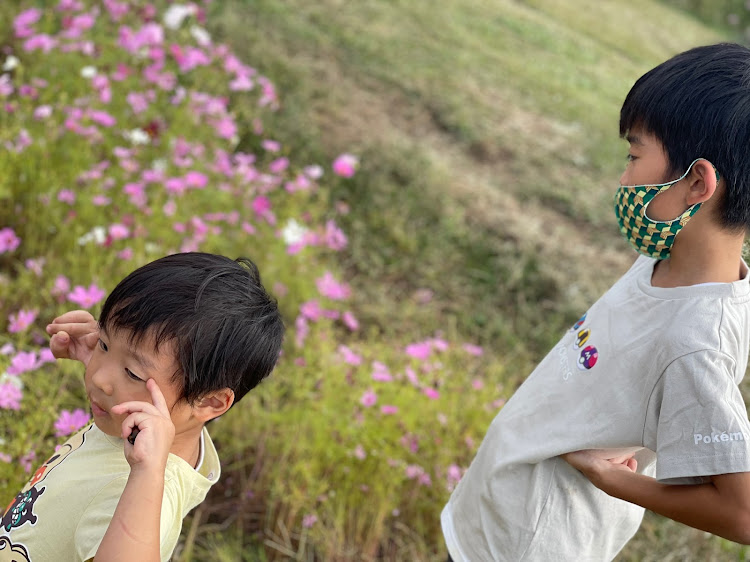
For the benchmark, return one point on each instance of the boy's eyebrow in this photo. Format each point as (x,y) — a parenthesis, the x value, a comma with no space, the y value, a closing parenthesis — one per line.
(144,362)
(634,139)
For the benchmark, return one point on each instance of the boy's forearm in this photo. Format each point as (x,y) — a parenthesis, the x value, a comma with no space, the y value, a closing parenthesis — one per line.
(701,506)
(133,533)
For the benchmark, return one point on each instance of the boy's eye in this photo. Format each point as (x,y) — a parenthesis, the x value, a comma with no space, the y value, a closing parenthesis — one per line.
(102,345)
(133,376)
(630,157)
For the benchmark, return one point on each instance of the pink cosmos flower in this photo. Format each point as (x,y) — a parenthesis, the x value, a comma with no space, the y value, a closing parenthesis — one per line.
(175,186)
(102,118)
(420,350)
(350,321)
(368,399)
(10,396)
(309,520)
(41,42)
(452,476)
(66,196)
(22,362)
(35,265)
(430,393)
(42,112)
(86,298)
(380,372)
(21,321)
(271,145)
(472,349)
(335,239)
(61,286)
(170,208)
(45,356)
(329,287)
(26,460)
(196,179)
(389,410)
(8,240)
(345,165)
(311,310)
(23,22)
(118,231)
(302,331)
(360,453)
(278,165)
(125,254)
(225,128)
(70,422)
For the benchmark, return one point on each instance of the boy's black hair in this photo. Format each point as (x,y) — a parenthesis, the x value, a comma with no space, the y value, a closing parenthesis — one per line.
(225,329)
(698,105)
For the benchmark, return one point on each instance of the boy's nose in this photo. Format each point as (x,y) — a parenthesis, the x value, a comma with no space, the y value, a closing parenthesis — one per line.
(103,381)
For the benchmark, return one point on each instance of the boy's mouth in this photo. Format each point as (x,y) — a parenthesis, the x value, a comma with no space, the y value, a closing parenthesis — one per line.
(97,410)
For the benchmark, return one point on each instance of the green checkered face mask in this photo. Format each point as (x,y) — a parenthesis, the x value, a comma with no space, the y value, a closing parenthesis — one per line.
(650,237)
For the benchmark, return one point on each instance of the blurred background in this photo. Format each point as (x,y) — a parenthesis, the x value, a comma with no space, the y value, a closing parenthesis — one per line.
(474,227)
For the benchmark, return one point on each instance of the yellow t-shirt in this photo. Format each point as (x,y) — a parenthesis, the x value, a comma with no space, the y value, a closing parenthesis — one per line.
(64,510)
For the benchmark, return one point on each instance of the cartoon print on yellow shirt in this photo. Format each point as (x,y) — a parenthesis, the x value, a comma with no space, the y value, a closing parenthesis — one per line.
(20,510)
(10,552)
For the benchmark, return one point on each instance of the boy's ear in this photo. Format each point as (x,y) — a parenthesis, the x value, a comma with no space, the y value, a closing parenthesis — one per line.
(213,404)
(703,182)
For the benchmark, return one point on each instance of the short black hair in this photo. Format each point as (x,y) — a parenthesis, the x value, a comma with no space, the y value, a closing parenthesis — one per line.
(225,329)
(698,105)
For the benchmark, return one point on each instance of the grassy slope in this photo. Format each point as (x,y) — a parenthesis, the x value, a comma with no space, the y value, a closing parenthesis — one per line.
(488,138)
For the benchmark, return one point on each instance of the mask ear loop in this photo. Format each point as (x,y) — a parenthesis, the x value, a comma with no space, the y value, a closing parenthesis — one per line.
(664,186)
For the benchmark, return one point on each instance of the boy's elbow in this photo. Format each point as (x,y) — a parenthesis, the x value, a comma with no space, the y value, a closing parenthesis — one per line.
(740,531)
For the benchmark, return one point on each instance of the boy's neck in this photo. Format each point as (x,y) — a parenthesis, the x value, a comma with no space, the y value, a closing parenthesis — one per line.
(186,445)
(714,259)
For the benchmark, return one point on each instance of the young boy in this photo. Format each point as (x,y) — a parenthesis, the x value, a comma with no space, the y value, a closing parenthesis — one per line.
(651,370)
(179,341)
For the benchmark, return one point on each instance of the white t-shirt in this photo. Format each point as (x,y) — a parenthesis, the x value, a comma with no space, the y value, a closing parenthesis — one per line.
(646,369)
(64,510)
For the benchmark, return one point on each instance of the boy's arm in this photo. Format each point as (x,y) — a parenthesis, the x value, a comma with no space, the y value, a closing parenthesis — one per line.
(134,532)
(721,507)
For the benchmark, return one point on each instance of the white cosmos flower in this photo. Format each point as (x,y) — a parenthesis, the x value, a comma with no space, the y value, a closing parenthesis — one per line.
(293,232)
(10,63)
(88,72)
(15,381)
(137,136)
(176,14)
(97,234)
(200,35)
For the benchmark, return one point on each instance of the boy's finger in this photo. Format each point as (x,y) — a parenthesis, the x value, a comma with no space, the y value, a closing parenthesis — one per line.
(74,316)
(75,329)
(58,344)
(157,397)
(135,406)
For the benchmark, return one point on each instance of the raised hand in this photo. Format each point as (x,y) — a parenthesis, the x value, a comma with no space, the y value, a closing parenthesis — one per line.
(74,336)
(150,449)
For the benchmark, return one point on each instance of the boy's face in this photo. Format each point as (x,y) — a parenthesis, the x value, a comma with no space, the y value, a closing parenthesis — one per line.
(118,373)
(648,164)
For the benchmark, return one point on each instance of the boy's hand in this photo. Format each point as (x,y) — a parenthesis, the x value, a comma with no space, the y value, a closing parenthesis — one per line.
(156,431)
(596,468)
(74,336)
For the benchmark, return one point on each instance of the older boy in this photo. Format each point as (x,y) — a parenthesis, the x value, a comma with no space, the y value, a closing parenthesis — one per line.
(651,370)
(178,342)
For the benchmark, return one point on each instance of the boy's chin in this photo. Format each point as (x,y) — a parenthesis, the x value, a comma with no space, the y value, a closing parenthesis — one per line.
(106,426)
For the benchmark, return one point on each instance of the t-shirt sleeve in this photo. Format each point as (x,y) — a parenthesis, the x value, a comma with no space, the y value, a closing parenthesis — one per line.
(703,426)
(95,519)
(98,515)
